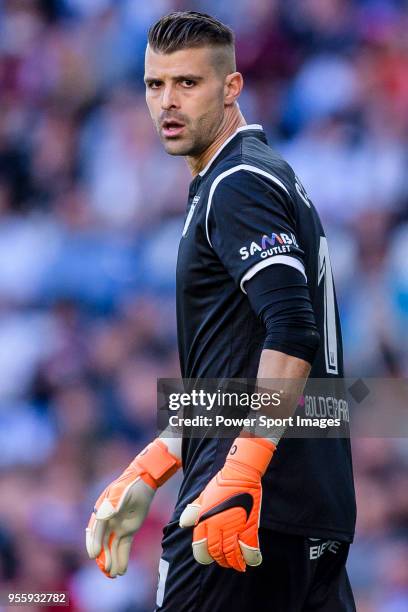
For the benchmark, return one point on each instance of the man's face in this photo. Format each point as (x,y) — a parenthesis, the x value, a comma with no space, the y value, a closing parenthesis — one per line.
(185,97)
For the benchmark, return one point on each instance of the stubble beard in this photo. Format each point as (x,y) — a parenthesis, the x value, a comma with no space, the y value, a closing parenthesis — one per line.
(178,147)
(198,140)
(192,146)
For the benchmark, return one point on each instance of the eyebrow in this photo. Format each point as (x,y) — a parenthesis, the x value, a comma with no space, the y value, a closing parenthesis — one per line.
(181,77)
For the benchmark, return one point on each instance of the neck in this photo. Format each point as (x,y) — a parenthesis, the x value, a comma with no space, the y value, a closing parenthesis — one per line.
(231,122)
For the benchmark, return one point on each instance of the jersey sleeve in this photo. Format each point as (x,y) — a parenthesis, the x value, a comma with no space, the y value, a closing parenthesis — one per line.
(250,224)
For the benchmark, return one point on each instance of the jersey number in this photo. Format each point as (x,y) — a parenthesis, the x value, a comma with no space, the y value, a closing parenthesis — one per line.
(330,332)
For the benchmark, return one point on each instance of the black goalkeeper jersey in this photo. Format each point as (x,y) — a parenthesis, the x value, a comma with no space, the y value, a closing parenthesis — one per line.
(247,210)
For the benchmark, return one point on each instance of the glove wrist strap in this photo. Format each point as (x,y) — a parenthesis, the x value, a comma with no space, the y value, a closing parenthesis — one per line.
(252,452)
(156,464)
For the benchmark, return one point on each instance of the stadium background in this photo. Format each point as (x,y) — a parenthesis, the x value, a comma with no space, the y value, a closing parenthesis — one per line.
(91,213)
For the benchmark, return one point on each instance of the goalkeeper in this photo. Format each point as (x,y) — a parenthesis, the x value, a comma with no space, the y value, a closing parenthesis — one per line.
(260,523)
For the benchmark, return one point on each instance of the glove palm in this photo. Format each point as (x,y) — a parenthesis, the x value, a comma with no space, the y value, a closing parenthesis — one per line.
(122,507)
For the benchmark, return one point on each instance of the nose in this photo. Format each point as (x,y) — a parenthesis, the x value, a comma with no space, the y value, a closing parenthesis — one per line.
(169,98)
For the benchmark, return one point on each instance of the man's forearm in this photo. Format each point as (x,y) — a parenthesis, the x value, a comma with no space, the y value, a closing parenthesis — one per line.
(290,374)
(276,365)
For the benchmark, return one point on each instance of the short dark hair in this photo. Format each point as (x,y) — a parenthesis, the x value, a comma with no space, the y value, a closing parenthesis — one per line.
(187,29)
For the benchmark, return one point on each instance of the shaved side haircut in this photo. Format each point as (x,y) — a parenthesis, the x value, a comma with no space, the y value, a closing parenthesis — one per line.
(190,29)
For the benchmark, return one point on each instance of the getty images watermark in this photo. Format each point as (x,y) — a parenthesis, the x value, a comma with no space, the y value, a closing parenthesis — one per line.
(221,408)
(219,400)
(331,407)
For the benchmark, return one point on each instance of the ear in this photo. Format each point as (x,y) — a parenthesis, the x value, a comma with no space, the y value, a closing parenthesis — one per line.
(234,83)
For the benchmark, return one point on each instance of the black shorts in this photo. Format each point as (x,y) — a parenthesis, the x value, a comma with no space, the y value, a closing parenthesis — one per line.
(298,574)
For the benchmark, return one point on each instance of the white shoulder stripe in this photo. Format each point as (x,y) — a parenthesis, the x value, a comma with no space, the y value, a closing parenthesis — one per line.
(275,259)
(223,175)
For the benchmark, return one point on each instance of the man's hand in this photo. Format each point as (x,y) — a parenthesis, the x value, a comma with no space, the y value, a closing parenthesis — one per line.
(122,507)
(226,515)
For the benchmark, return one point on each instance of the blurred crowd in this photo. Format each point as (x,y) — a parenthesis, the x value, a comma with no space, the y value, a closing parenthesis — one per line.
(91,211)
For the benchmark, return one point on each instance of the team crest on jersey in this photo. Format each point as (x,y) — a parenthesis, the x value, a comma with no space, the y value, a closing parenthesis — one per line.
(194,203)
(269,244)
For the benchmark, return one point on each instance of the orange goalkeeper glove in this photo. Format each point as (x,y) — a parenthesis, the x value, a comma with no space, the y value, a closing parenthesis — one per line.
(226,515)
(122,507)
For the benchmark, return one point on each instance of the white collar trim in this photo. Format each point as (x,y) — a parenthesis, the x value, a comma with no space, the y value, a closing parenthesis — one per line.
(243,128)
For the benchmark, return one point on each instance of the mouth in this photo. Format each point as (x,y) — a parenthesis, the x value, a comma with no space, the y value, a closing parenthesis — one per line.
(172,128)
